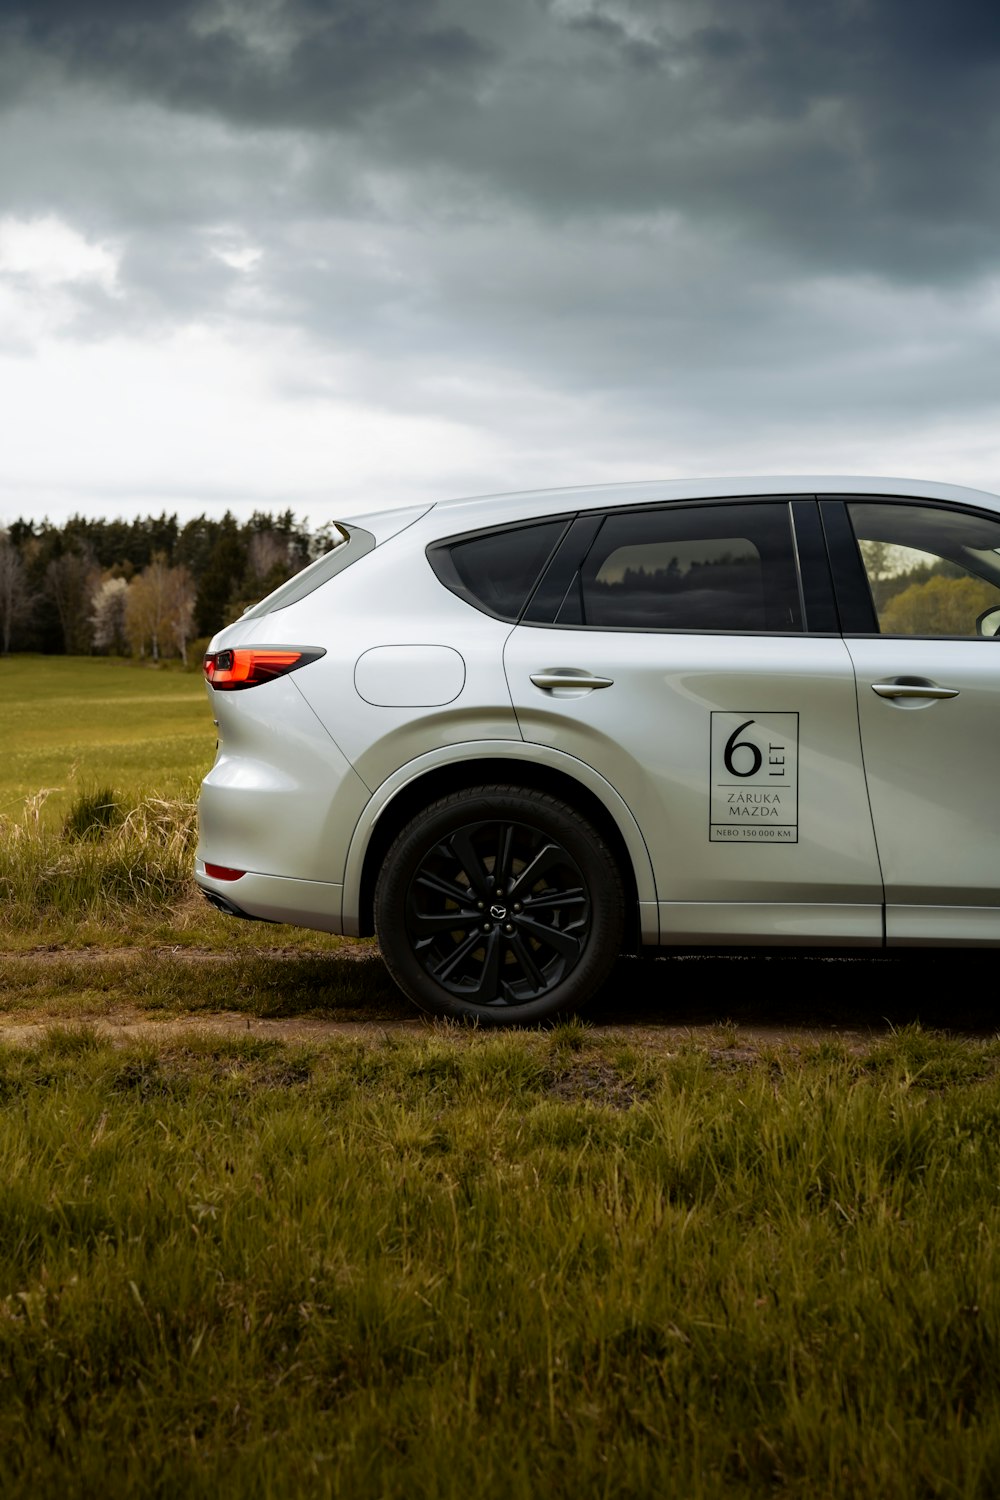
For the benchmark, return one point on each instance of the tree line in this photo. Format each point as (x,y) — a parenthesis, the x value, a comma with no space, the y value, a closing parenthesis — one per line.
(147,587)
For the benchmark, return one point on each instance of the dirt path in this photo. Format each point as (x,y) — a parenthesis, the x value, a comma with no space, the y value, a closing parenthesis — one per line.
(348,948)
(130,1027)
(735,1002)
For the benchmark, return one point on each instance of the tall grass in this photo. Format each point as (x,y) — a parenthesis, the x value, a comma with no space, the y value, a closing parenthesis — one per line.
(512,1266)
(109,857)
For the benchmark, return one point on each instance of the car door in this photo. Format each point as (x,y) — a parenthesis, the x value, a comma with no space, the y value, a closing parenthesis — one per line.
(913,580)
(689,654)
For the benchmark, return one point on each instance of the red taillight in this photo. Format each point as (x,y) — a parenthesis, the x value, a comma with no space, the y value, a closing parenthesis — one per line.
(223,872)
(249,666)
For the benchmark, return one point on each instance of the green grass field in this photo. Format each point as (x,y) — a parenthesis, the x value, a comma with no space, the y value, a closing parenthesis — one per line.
(421,1262)
(509,1267)
(70,722)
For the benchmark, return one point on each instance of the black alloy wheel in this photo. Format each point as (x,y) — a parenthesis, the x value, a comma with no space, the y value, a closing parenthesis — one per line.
(500,905)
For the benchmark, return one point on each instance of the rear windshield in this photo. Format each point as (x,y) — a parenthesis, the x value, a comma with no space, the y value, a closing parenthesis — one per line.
(348,546)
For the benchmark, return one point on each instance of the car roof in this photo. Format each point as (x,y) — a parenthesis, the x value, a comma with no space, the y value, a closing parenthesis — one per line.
(445,517)
(495,509)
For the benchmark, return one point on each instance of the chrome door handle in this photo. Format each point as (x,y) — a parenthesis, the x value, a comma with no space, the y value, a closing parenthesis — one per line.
(912,689)
(568,677)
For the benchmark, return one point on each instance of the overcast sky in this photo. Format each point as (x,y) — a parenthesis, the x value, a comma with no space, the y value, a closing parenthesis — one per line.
(329,254)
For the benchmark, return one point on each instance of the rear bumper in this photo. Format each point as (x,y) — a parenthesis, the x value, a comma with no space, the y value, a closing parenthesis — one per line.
(276,898)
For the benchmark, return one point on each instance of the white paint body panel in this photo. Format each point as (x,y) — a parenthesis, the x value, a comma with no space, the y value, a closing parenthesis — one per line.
(648,735)
(281,792)
(276,898)
(948,926)
(379,603)
(770,924)
(932,778)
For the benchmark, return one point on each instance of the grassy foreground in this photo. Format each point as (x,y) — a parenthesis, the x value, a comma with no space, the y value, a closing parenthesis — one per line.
(428,1263)
(502,1266)
(75,721)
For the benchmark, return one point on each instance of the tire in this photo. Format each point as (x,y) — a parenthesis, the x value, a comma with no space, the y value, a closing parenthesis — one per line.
(507,951)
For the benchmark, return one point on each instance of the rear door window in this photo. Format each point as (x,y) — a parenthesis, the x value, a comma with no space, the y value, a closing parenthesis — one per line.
(694,568)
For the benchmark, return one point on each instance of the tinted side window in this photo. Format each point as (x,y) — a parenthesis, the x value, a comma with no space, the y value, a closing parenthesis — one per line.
(497,570)
(706,567)
(931,571)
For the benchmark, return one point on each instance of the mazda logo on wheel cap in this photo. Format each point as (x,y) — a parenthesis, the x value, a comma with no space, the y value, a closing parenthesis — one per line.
(498,913)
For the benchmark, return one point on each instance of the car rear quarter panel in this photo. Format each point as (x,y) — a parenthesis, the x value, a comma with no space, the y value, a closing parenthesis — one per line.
(281,798)
(391,602)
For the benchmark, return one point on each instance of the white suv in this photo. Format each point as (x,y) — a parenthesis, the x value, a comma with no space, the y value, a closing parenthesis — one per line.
(514,735)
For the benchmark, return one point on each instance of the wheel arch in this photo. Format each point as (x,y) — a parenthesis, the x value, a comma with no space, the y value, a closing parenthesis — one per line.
(404,794)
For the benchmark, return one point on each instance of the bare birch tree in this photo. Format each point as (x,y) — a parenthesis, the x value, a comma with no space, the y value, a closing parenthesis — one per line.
(182,610)
(159,610)
(107,614)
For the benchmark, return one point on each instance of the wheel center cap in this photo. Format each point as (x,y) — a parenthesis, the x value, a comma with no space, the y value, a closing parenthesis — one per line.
(498,913)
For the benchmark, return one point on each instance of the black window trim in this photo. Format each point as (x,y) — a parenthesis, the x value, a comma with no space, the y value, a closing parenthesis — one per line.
(438,554)
(816,591)
(834,593)
(855,605)
(562,570)
(702,502)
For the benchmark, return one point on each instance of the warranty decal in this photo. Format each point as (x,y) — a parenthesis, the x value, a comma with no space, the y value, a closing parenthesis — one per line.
(754,768)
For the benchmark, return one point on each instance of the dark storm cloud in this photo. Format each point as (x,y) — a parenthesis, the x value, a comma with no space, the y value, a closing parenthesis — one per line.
(858,133)
(693,222)
(312,63)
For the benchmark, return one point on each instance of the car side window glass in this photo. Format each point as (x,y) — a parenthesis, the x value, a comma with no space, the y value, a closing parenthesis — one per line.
(497,570)
(932,571)
(704,567)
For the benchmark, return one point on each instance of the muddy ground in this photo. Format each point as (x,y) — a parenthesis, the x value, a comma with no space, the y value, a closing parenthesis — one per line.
(762,1001)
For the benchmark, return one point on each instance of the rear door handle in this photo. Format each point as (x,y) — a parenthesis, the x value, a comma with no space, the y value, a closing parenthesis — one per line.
(912,688)
(569,677)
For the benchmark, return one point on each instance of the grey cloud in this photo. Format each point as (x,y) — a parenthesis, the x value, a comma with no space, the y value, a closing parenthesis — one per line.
(299,63)
(861,134)
(637,51)
(652,328)
(690,224)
